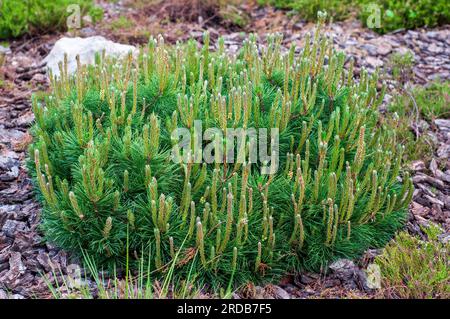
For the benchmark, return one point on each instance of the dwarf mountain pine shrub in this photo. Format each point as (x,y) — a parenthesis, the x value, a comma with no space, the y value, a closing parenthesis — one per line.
(104,170)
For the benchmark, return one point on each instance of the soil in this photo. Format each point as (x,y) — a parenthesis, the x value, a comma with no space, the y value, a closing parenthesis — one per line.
(25,256)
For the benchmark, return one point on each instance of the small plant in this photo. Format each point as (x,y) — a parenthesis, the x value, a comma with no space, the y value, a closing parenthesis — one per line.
(34,16)
(413,268)
(104,150)
(401,66)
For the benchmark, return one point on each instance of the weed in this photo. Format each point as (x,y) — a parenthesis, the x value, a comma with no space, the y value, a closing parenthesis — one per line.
(413,268)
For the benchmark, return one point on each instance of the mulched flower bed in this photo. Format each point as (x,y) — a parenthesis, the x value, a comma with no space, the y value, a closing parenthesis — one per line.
(25,256)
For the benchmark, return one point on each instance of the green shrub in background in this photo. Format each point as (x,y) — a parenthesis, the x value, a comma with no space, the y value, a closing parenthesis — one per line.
(394,14)
(307,9)
(407,14)
(104,172)
(35,16)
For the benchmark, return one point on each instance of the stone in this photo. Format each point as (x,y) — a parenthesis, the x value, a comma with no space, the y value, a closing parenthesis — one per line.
(15,263)
(341,264)
(9,211)
(12,226)
(402,50)
(8,163)
(443,151)
(308,290)
(374,62)
(434,200)
(433,166)
(87,32)
(370,48)
(86,48)
(433,48)
(44,261)
(3,294)
(422,221)
(307,279)
(443,124)
(329,283)
(235,296)
(442,176)
(361,279)
(420,210)
(431,34)
(344,269)
(384,48)
(11,136)
(259,293)
(38,77)
(280,293)
(422,178)
(417,165)
(443,238)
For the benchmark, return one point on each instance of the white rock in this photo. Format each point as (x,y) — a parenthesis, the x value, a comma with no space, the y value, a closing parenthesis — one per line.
(86,48)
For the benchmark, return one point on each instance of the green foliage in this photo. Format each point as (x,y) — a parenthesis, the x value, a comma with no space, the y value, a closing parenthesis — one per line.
(35,16)
(103,161)
(407,14)
(394,14)
(413,268)
(121,23)
(307,9)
